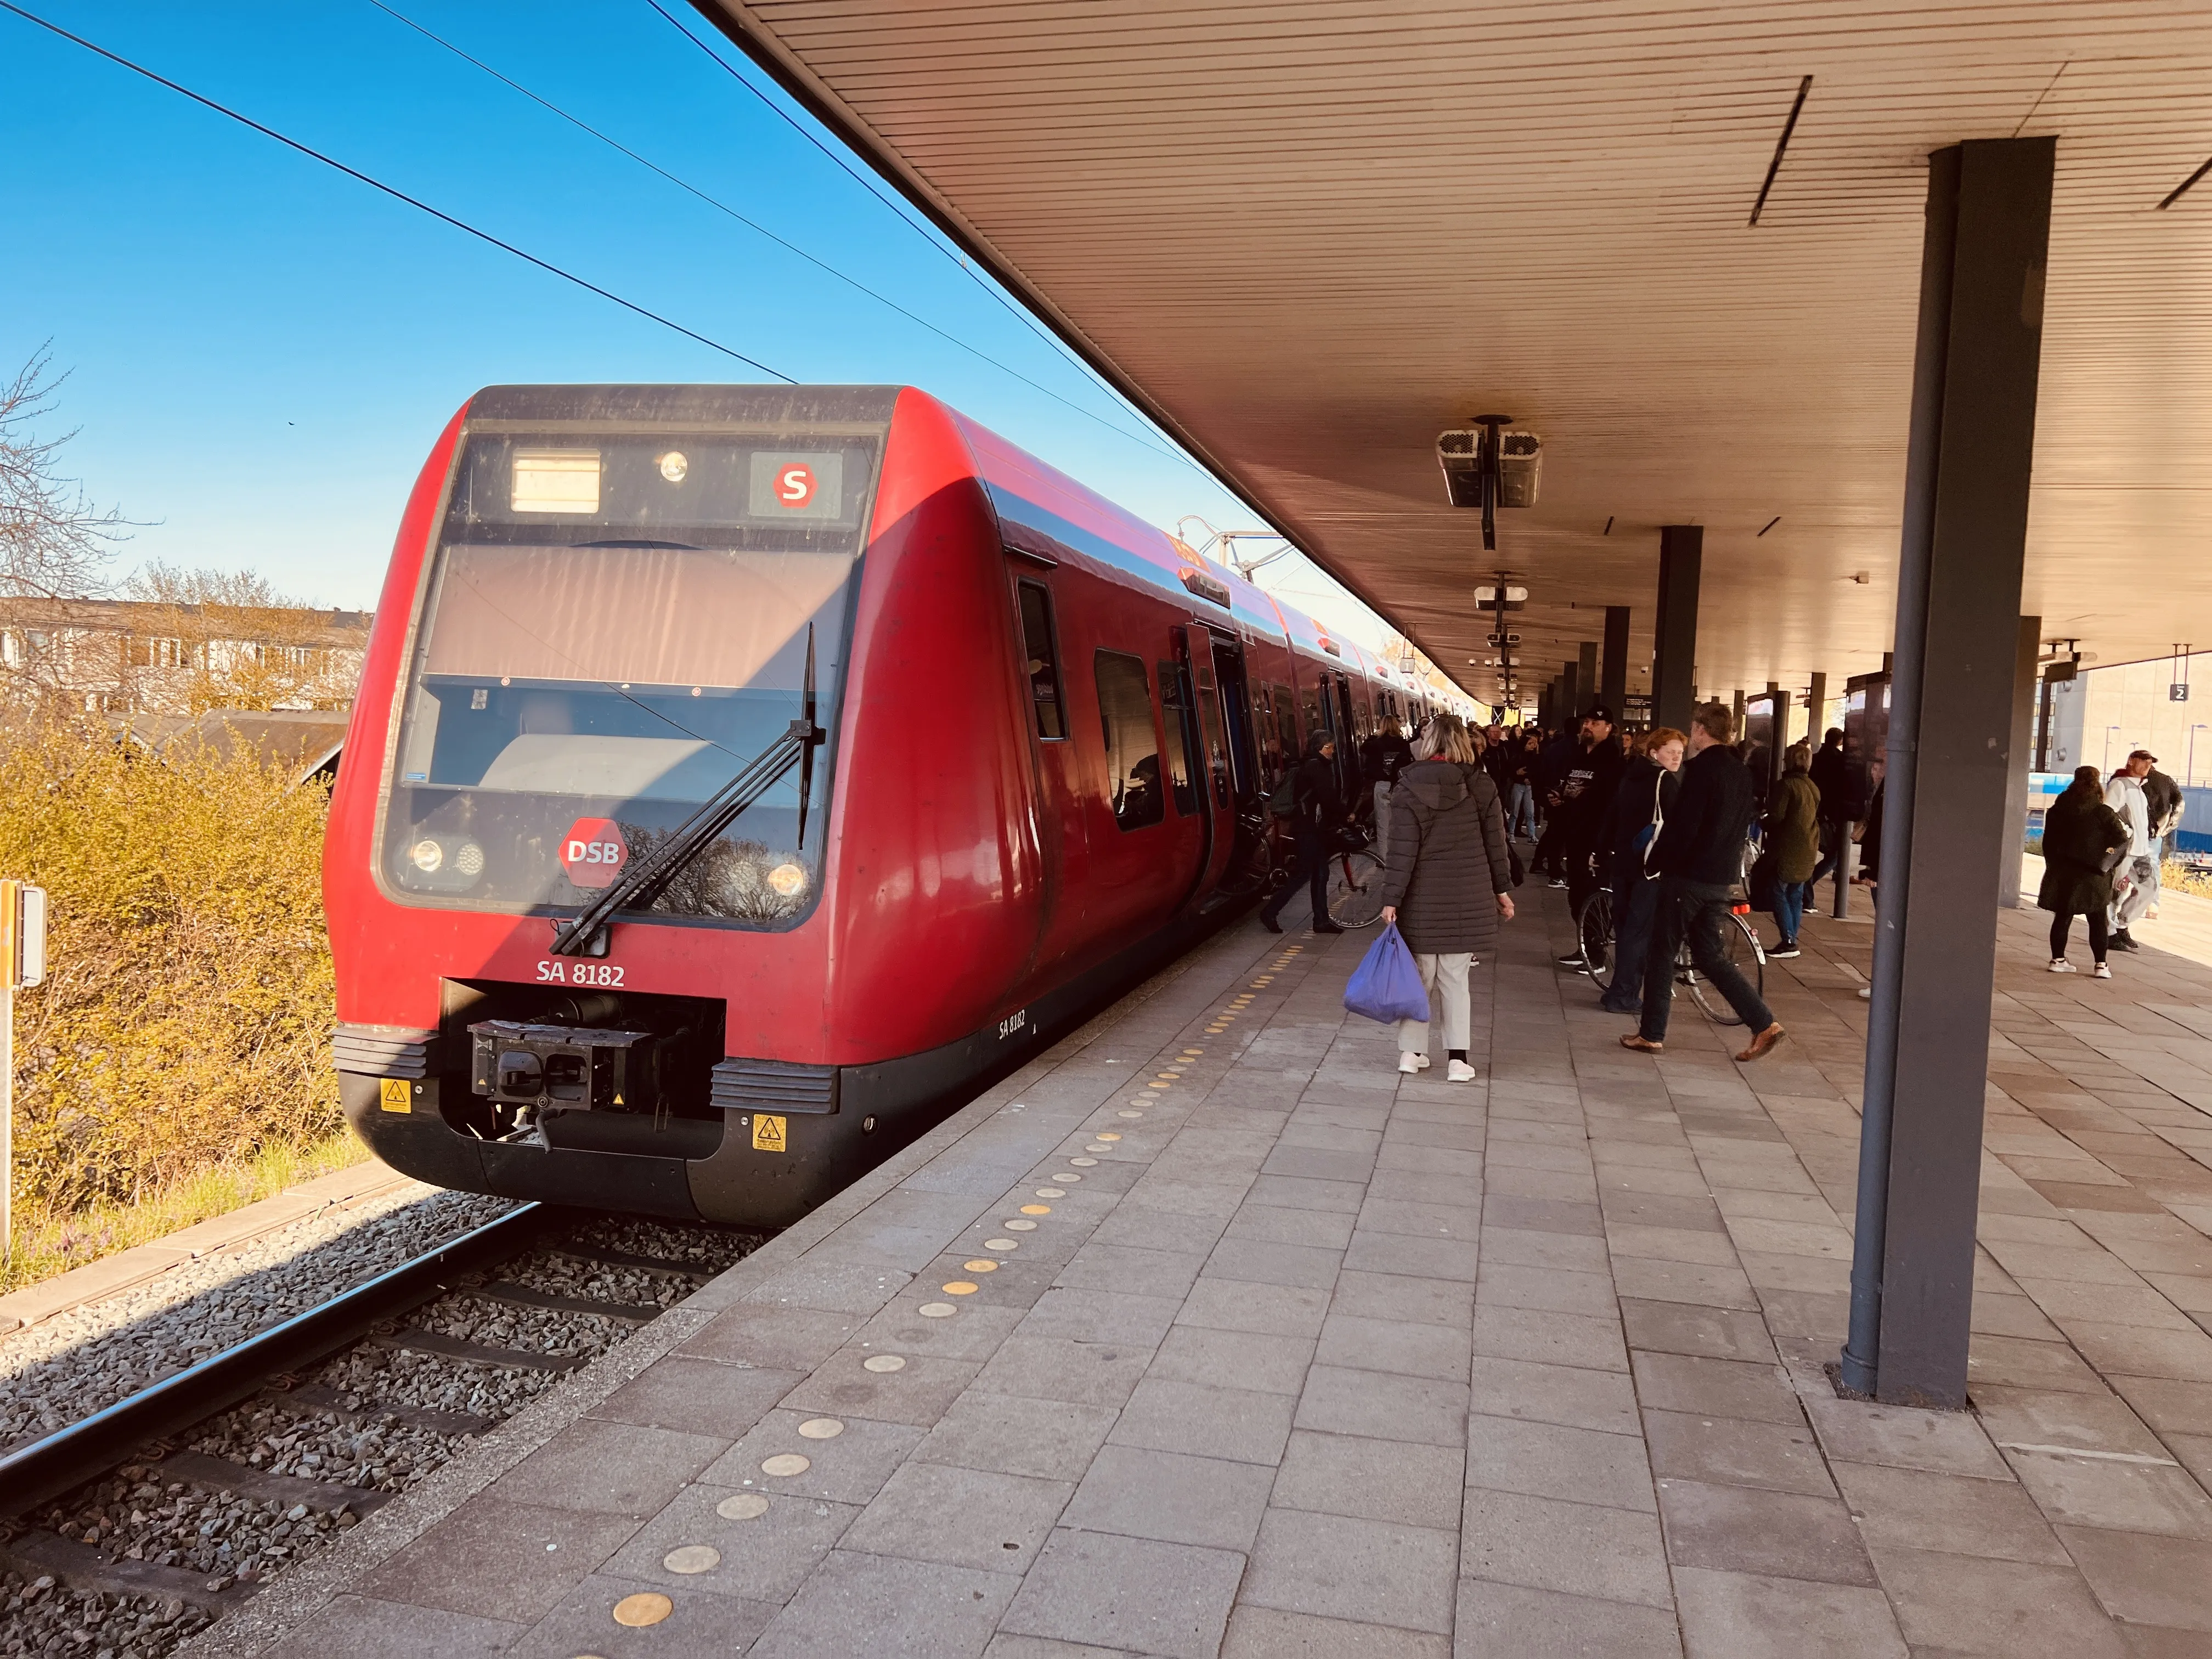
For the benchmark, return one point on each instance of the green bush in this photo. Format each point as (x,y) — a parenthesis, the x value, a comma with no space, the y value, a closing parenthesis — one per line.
(184,1022)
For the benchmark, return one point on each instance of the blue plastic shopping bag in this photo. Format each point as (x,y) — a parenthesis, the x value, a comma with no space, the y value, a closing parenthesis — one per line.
(1386,986)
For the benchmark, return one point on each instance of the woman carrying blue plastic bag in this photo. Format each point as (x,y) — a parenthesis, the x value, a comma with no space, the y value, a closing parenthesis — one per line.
(1448,881)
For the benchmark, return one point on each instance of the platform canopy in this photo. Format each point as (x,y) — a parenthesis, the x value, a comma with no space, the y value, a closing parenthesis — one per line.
(1309,235)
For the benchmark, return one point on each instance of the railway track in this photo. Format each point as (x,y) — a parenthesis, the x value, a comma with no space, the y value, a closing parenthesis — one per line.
(126,1532)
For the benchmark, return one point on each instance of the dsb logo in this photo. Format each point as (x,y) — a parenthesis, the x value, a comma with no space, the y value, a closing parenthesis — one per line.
(593,851)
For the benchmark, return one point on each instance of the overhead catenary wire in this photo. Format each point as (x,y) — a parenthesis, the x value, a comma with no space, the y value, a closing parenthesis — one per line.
(898,210)
(754,225)
(396,194)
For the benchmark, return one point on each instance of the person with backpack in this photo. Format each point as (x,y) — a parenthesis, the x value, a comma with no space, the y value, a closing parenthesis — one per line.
(1308,799)
(1448,882)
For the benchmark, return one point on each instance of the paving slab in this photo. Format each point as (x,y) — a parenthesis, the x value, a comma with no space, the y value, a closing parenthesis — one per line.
(1321,1360)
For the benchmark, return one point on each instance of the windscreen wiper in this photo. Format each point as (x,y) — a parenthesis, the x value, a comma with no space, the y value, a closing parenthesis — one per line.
(644,881)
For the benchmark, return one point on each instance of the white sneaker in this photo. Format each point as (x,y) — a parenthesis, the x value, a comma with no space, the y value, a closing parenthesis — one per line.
(2101,971)
(1459,1072)
(2060,965)
(1423,1059)
(1409,1062)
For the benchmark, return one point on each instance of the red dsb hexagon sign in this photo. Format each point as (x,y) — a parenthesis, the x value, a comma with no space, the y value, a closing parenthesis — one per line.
(794,485)
(593,851)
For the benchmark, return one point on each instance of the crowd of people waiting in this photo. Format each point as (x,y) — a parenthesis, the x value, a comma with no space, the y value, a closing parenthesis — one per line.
(1680,829)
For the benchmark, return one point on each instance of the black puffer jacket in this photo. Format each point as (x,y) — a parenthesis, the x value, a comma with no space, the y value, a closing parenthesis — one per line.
(1447,861)
(2079,833)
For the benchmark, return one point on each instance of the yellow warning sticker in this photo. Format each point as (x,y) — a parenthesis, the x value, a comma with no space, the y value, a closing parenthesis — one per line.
(398,1095)
(768,1133)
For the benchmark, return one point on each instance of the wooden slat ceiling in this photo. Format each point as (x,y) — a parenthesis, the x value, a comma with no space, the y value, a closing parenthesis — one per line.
(1310,235)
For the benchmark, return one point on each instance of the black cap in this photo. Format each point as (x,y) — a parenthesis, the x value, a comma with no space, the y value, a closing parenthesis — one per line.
(1598,711)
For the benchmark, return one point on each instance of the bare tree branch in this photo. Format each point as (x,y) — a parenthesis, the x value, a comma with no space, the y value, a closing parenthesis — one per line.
(54,543)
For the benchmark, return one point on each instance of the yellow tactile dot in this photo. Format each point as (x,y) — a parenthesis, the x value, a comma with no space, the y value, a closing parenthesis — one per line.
(745,1506)
(882,1362)
(1170,1075)
(959,1287)
(1036,1209)
(692,1558)
(648,1607)
(1107,1134)
(1160,1086)
(979,1266)
(784,1464)
(821,1428)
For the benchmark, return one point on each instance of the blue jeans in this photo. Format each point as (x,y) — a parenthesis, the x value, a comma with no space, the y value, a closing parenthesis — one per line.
(1521,809)
(1791,898)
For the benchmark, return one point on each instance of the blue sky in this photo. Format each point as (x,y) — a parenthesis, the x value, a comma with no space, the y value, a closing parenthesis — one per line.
(261,351)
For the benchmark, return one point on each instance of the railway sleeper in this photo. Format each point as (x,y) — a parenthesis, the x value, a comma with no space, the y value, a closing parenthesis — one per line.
(332,1403)
(415,1340)
(87,1567)
(521,1295)
(220,1474)
(651,1264)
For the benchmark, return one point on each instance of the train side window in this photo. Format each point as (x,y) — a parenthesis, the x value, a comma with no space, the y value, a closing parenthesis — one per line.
(1132,748)
(1175,704)
(1041,645)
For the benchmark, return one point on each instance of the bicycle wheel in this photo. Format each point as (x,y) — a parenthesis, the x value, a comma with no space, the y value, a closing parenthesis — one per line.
(1594,934)
(1355,889)
(1740,944)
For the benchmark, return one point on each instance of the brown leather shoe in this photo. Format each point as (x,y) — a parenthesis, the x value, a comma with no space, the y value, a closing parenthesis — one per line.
(1764,1043)
(1635,1040)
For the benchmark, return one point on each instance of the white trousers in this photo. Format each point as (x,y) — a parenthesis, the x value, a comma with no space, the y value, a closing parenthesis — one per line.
(1449,1001)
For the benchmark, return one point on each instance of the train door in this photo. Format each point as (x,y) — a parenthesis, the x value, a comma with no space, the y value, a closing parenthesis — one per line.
(1348,739)
(1217,787)
(1062,845)
(1192,793)
(1237,714)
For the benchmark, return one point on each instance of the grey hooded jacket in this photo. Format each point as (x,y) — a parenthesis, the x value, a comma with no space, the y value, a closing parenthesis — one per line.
(1447,859)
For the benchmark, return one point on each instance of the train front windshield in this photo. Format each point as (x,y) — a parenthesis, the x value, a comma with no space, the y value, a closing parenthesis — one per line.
(614,626)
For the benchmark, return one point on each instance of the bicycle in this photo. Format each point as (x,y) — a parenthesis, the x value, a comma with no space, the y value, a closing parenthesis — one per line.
(1739,943)
(1355,881)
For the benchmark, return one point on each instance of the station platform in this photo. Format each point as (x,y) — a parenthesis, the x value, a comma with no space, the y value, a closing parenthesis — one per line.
(1313,1360)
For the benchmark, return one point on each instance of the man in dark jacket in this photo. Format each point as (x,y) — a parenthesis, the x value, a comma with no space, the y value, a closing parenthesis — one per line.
(1649,784)
(1586,794)
(1699,855)
(1318,811)
(1832,776)
(1548,772)
(1383,753)
(2163,796)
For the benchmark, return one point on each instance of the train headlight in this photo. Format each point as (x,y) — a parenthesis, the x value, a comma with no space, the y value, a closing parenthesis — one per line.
(427,856)
(673,466)
(469,859)
(787,879)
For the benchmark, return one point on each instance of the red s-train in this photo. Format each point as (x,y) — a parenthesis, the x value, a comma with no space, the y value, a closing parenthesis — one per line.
(740,773)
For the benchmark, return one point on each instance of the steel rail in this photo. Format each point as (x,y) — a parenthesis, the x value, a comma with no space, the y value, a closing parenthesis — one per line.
(84,1450)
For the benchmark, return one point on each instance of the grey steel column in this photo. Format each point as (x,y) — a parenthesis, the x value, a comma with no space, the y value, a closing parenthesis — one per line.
(1674,625)
(1738,716)
(1586,676)
(1612,684)
(1951,726)
(2023,760)
(1816,700)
